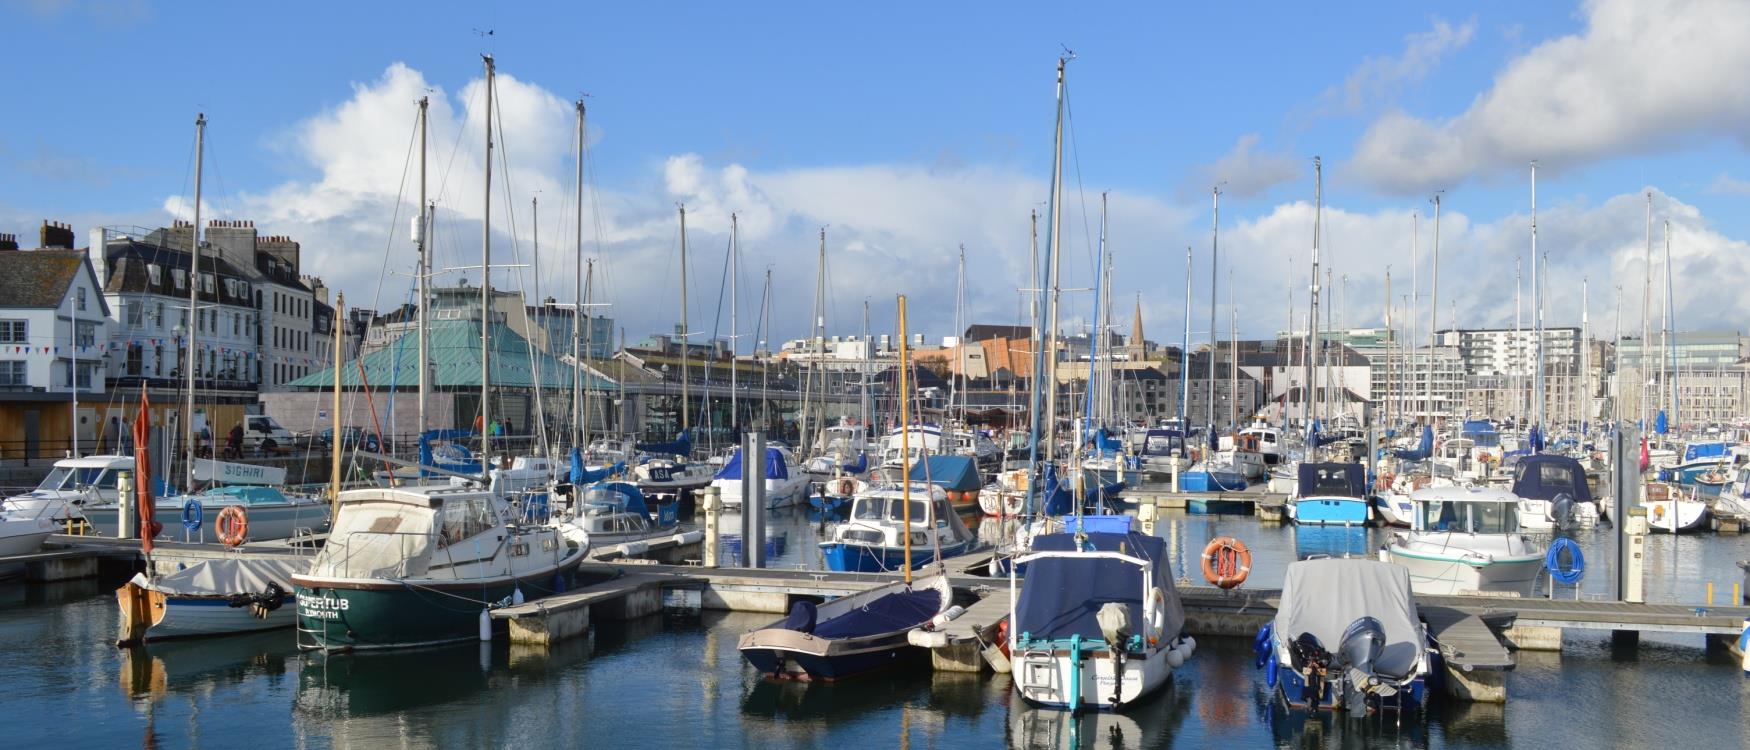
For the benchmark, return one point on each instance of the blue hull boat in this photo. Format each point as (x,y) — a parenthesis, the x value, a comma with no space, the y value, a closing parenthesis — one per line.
(859,558)
(847,636)
(1211,481)
(1330,494)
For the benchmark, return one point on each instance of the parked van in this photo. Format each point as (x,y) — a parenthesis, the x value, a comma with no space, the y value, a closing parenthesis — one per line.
(261,433)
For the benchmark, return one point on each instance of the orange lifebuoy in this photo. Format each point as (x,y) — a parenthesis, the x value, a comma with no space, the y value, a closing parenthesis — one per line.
(233,525)
(847,486)
(1226,562)
(1385,480)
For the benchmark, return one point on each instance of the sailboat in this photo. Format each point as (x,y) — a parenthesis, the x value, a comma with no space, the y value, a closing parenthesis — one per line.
(422,565)
(856,634)
(668,468)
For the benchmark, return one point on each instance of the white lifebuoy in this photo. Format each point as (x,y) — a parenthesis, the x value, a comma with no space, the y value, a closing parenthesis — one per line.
(1155,611)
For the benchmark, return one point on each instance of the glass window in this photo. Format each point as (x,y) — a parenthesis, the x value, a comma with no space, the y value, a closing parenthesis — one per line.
(12,373)
(56,479)
(79,298)
(14,332)
(871,508)
(181,278)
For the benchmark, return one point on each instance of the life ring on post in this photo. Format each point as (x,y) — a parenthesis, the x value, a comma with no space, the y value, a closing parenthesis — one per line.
(847,486)
(233,524)
(1226,562)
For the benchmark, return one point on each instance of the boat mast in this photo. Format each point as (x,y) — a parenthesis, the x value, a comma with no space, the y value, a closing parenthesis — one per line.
(423,271)
(686,394)
(1518,343)
(1585,353)
(904,442)
(539,428)
(1185,356)
(1391,343)
(1667,358)
(1415,306)
(579,411)
(486,288)
(589,345)
(734,337)
(1214,265)
(334,461)
(1434,309)
(1047,339)
(1312,319)
(766,363)
(194,285)
(1536,310)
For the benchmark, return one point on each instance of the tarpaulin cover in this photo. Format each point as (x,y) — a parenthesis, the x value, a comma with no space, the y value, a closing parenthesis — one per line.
(1543,476)
(581,476)
(1062,594)
(377,540)
(1119,524)
(1163,442)
(618,494)
(956,473)
(226,577)
(1712,449)
(1331,480)
(1324,596)
(1423,449)
(775,467)
(901,610)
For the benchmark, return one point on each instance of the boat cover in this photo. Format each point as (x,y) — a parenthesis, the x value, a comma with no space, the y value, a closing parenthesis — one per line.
(775,467)
(901,610)
(621,494)
(1545,475)
(1694,451)
(226,577)
(1331,480)
(1062,594)
(377,540)
(1106,524)
(1423,449)
(681,446)
(1324,596)
(246,495)
(953,473)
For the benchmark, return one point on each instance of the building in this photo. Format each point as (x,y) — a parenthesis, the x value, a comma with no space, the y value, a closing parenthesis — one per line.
(595,340)
(54,325)
(1705,368)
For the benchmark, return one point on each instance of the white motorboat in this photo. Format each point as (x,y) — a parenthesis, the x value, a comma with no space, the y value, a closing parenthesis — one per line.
(875,539)
(70,485)
(1672,509)
(786,483)
(929,440)
(1266,441)
(1346,636)
(1467,539)
(22,533)
(211,597)
(615,512)
(1099,623)
(269,512)
(1553,494)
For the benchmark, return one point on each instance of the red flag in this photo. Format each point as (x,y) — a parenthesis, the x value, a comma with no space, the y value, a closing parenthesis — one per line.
(143,499)
(1646,460)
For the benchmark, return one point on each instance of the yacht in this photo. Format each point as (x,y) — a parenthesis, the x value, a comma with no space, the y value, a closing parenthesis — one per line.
(786,483)
(929,439)
(874,539)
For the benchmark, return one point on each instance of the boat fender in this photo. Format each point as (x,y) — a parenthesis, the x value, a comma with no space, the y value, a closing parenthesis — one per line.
(516,596)
(191,514)
(1263,644)
(1190,646)
(944,617)
(1176,656)
(233,525)
(689,537)
(1155,614)
(1226,562)
(485,626)
(1576,567)
(632,549)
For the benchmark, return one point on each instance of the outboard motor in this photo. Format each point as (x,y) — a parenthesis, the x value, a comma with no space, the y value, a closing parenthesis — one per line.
(1312,661)
(1114,620)
(1363,642)
(1561,511)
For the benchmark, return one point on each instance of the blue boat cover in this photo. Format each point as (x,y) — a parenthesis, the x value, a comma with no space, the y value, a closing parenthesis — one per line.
(901,610)
(1711,449)
(623,493)
(427,456)
(775,468)
(1105,444)
(581,476)
(1661,425)
(1423,449)
(859,467)
(1476,427)
(956,473)
(1543,476)
(1331,480)
(1163,442)
(1063,594)
(682,445)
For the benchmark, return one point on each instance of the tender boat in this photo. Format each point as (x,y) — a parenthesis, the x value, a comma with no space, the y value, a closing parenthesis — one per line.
(271,513)
(873,540)
(850,635)
(615,512)
(1329,494)
(786,484)
(1099,624)
(1467,539)
(211,597)
(418,566)
(1347,637)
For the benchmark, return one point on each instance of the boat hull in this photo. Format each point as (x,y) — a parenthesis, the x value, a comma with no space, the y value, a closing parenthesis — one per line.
(22,543)
(858,558)
(1329,511)
(1442,575)
(873,655)
(186,617)
(1211,481)
(1216,506)
(384,614)
(265,521)
(1394,509)
(1044,677)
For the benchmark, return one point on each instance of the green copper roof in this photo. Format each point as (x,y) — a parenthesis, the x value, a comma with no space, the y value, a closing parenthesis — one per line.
(454,347)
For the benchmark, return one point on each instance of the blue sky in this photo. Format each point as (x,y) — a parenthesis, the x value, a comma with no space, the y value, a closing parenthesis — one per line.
(911,129)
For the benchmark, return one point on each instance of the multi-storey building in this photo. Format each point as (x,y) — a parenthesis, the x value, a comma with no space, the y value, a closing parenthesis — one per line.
(53,329)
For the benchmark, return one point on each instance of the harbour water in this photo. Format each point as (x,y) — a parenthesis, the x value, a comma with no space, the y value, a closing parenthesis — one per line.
(663,682)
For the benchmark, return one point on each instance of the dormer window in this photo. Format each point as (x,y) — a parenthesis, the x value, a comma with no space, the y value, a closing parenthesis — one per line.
(154,274)
(181,277)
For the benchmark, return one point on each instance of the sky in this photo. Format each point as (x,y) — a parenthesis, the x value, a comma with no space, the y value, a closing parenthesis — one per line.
(908,131)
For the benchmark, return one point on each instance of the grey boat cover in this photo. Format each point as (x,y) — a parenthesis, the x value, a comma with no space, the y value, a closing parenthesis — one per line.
(226,577)
(1323,596)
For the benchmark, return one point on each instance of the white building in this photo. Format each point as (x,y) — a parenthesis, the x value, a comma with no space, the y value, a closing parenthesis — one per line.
(145,276)
(53,321)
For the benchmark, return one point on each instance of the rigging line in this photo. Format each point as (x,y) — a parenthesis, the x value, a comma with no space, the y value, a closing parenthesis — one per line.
(1081,192)
(595,210)
(722,283)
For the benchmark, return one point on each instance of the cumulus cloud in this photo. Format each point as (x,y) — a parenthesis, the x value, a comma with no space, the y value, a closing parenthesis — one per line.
(1641,75)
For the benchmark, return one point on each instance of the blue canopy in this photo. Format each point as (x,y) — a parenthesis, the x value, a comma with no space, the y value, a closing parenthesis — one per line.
(1711,449)
(1661,425)
(1105,444)
(859,467)
(957,473)
(1543,476)
(775,467)
(427,457)
(1063,594)
(1423,450)
(581,476)
(619,493)
(1331,480)
(682,445)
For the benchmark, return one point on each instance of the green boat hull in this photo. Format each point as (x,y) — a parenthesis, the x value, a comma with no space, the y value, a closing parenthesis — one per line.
(387,614)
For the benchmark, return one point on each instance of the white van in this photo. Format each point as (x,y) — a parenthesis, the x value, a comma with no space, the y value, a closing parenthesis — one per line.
(262,434)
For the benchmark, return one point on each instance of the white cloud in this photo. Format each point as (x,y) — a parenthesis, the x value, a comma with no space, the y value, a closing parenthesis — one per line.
(1726,184)
(1378,77)
(1247,171)
(1641,75)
